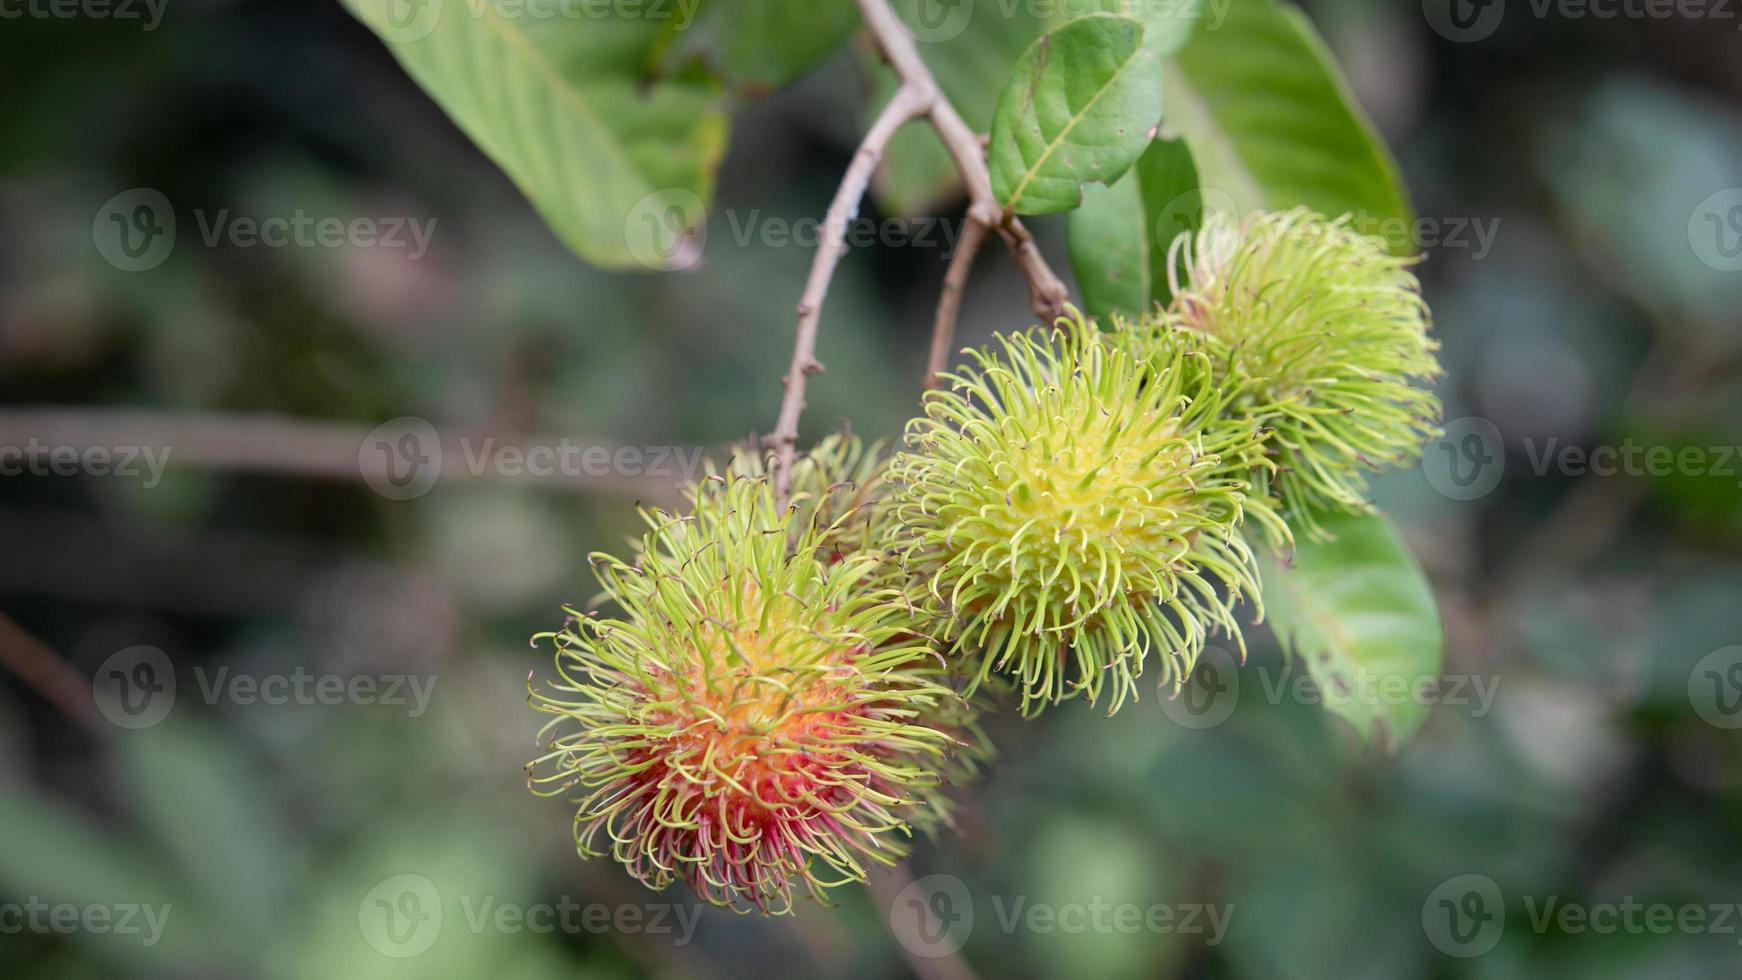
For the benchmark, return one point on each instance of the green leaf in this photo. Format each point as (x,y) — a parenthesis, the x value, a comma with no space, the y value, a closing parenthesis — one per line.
(58,855)
(757,46)
(971,47)
(622,168)
(1119,238)
(1272,123)
(1082,103)
(1358,611)
(211,808)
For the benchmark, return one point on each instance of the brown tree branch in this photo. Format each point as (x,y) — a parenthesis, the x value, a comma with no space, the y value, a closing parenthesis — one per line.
(46,673)
(315,449)
(943,331)
(1046,291)
(911,102)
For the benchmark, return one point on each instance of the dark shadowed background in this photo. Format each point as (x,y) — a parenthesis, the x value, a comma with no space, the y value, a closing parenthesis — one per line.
(309,642)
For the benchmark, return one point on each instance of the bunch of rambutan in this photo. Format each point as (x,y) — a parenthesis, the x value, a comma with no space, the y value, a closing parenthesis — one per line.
(786,689)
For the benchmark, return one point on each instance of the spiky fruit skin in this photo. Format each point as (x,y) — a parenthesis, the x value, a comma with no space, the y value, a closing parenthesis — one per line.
(839,485)
(1320,332)
(755,720)
(1068,507)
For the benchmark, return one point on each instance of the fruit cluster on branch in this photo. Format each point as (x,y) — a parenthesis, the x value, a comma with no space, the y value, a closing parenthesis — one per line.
(783,692)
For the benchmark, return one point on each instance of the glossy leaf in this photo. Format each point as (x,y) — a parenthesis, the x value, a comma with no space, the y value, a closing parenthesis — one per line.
(1358,613)
(1082,103)
(1272,123)
(1119,238)
(620,168)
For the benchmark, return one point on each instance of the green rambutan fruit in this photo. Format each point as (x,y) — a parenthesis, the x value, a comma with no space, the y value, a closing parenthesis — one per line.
(759,717)
(1320,333)
(1066,506)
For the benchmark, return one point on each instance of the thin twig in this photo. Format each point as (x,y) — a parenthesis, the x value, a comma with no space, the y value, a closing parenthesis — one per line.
(1046,291)
(943,332)
(911,102)
(46,673)
(886,887)
(142,441)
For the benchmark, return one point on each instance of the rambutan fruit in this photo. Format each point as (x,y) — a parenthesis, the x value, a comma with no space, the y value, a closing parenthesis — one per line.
(1066,507)
(1319,332)
(759,717)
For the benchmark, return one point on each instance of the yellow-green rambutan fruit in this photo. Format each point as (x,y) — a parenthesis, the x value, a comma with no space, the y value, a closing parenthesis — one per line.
(1319,332)
(756,718)
(1068,507)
